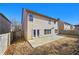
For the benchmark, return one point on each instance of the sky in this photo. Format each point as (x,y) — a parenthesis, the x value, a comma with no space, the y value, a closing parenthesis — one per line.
(68,12)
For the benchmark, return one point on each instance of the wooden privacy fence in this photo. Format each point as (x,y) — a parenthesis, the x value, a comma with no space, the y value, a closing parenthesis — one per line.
(5,40)
(70,32)
(17,35)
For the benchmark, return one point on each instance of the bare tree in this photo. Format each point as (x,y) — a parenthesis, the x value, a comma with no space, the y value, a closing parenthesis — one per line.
(16,26)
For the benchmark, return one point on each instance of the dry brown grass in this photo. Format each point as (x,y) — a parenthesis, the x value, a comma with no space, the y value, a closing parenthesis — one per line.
(19,48)
(65,46)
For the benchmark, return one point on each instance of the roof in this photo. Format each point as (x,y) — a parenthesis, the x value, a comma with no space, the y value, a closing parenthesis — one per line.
(67,23)
(76,25)
(36,13)
(5,17)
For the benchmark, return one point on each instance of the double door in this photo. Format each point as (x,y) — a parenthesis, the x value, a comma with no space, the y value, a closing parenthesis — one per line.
(36,33)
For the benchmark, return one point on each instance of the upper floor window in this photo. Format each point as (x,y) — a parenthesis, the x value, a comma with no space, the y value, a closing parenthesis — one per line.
(49,22)
(30,17)
(54,22)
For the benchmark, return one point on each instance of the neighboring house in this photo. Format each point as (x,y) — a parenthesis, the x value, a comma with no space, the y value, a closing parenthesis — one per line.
(72,27)
(65,26)
(68,26)
(5,24)
(60,25)
(76,27)
(36,25)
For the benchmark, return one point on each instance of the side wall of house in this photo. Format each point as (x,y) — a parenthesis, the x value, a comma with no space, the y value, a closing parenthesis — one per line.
(24,23)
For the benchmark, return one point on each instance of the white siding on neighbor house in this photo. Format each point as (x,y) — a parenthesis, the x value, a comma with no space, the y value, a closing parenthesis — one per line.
(73,27)
(67,27)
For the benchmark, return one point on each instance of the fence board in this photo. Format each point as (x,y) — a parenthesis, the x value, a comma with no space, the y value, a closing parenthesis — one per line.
(69,32)
(4,42)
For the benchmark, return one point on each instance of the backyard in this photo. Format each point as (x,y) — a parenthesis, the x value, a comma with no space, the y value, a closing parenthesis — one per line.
(68,45)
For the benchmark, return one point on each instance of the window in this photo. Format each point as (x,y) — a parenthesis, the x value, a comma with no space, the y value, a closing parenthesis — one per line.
(34,33)
(38,33)
(47,31)
(49,22)
(50,31)
(44,31)
(54,22)
(30,17)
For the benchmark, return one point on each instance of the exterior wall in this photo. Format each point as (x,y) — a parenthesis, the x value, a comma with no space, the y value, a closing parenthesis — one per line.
(4,25)
(67,27)
(56,27)
(73,27)
(24,24)
(38,22)
(60,25)
(63,26)
(77,27)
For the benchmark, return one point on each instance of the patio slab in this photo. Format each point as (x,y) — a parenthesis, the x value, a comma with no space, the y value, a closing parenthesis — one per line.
(43,40)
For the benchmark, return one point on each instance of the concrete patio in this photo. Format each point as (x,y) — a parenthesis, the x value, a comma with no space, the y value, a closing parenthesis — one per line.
(43,40)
